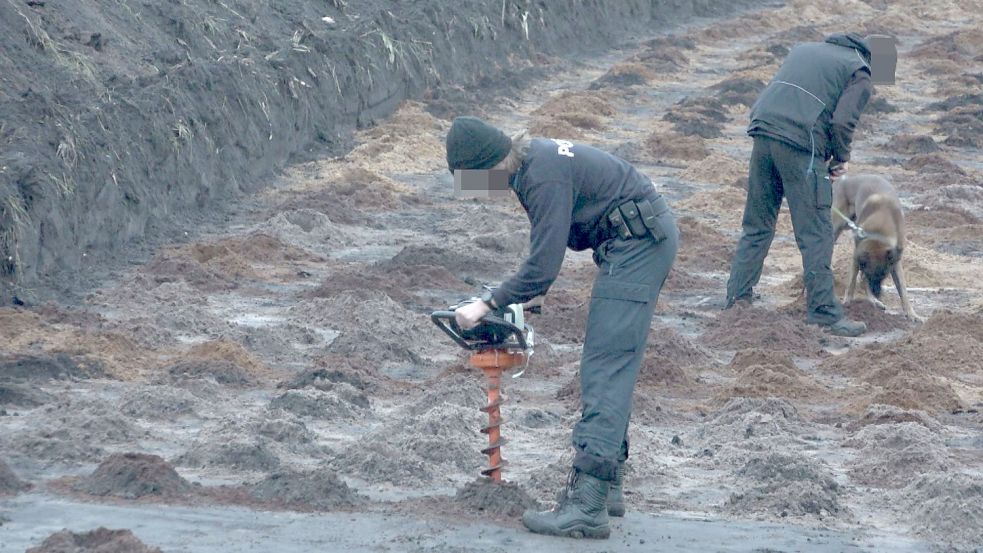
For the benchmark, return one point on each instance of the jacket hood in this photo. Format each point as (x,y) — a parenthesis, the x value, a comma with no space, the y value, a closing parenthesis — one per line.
(851,40)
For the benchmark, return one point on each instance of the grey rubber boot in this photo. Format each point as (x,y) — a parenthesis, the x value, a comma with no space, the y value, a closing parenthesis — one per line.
(847,327)
(616,498)
(581,513)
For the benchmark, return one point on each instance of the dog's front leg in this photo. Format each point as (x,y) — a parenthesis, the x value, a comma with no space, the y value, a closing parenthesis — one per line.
(852,288)
(897,274)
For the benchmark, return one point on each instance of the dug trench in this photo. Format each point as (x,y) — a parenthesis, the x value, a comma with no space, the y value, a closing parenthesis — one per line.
(279,384)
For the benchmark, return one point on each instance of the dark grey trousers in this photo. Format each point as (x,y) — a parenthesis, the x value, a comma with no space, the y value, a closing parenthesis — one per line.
(779,169)
(630,277)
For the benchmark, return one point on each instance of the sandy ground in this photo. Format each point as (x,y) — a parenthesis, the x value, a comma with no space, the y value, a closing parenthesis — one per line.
(279,385)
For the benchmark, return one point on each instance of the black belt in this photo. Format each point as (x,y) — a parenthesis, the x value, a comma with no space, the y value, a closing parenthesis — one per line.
(637,219)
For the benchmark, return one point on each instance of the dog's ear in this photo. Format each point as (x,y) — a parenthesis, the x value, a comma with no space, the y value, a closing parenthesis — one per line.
(893,255)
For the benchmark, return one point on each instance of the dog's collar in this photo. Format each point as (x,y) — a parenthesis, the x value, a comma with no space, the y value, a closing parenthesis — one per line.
(858,232)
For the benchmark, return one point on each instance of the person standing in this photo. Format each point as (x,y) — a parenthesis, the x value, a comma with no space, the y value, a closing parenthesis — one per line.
(802,125)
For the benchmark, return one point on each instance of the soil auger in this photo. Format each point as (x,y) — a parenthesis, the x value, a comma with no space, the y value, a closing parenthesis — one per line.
(500,342)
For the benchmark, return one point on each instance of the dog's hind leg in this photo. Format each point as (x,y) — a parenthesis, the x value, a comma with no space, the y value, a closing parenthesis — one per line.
(897,274)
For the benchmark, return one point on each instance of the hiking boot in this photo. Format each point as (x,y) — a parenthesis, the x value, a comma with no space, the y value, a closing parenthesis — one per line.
(747,300)
(581,512)
(616,498)
(847,327)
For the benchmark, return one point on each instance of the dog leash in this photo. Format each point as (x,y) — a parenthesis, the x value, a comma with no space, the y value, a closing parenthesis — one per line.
(857,230)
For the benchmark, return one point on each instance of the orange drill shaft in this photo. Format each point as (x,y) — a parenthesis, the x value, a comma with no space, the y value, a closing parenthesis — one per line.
(493,363)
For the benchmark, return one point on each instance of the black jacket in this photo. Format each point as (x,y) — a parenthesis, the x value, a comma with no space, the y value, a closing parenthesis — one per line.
(815,100)
(566,190)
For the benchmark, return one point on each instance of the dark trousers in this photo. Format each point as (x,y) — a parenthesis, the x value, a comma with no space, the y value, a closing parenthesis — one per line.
(630,277)
(777,170)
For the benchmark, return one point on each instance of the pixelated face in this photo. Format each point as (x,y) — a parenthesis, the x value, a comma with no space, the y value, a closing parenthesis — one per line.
(883,59)
(876,260)
(481,183)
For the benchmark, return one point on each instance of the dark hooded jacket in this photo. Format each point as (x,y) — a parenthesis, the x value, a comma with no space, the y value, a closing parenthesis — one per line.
(815,100)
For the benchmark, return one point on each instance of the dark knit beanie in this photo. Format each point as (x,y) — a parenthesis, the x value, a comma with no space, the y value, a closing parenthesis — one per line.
(474,144)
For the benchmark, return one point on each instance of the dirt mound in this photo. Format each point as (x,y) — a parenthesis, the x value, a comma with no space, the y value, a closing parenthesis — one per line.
(551,127)
(951,195)
(100,540)
(877,319)
(918,392)
(204,267)
(932,163)
(668,147)
(132,476)
(667,355)
(624,75)
(963,126)
(499,499)
(408,141)
(783,485)
(913,144)
(665,54)
(9,483)
(891,414)
(342,402)
(744,424)
(907,373)
(956,46)
(773,380)
(442,443)
(565,317)
(938,218)
(703,116)
(716,169)
(738,90)
(345,193)
(318,490)
(333,369)
(892,455)
(43,367)
(82,422)
(949,324)
(949,343)
(307,229)
(223,361)
(240,453)
(576,102)
(56,446)
(763,329)
(287,431)
(879,105)
(159,402)
(946,507)
(703,248)
(680,280)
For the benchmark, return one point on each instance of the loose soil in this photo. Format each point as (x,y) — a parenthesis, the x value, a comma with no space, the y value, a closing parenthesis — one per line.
(9,483)
(498,499)
(133,476)
(319,490)
(100,540)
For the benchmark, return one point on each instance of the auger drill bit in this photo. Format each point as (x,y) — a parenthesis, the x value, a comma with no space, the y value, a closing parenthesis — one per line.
(493,362)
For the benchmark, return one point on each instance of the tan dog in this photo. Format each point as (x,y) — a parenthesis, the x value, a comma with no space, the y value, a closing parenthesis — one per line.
(872,204)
